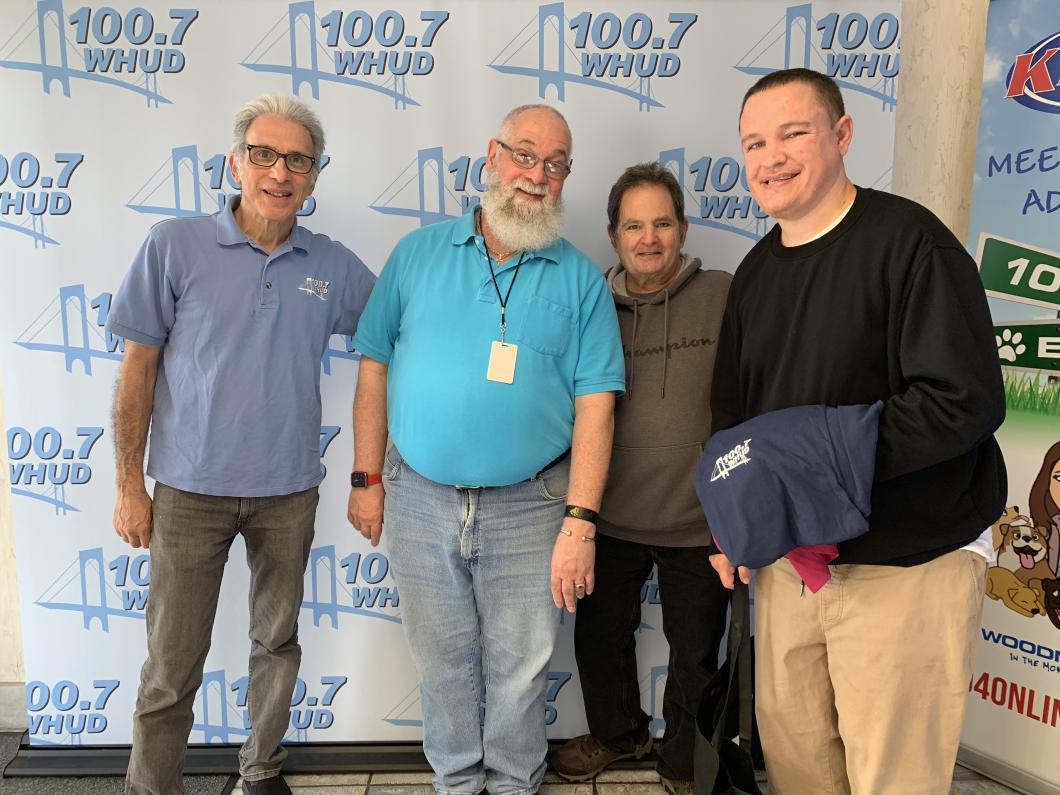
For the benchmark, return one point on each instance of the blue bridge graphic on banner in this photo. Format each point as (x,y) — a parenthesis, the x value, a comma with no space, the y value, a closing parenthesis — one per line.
(544,35)
(300,54)
(750,227)
(401,714)
(222,720)
(326,584)
(82,588)
(46,27)
(32,227)
(436,201)
(178,183)
(796,28)
(82,341)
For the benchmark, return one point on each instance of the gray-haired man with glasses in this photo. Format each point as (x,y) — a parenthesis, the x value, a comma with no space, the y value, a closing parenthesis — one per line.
(242,303)
(491,354)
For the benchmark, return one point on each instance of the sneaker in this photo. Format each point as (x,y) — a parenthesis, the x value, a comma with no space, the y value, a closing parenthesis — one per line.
(266,786)
(583,757)
(677,786)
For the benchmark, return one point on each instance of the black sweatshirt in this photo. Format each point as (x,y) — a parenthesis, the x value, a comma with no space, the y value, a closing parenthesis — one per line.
(887,306)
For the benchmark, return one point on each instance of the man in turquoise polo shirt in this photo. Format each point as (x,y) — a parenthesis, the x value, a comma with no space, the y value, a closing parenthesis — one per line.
(225,318)
(491,353)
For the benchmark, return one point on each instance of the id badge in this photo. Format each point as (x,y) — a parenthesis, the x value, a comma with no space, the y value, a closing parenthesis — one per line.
(502,362)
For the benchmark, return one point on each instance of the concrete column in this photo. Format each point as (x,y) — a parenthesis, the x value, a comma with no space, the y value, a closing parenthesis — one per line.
(937,118)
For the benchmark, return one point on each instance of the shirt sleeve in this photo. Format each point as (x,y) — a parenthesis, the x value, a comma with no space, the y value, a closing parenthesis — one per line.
(600,367)
(144,308)
(359,283)
(953,398)
(377,331)
(726,404)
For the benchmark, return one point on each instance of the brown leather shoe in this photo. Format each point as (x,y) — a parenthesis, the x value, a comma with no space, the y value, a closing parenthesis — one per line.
(583,757)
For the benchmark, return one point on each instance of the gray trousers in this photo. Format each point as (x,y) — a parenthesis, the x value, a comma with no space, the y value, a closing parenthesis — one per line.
(190,539)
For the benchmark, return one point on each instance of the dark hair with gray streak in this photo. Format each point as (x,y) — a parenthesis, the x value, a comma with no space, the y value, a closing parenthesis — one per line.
(287,107)
(644,174)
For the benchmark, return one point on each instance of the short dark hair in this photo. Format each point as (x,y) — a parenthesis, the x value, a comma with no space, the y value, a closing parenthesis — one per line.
(827,90)
(644,174)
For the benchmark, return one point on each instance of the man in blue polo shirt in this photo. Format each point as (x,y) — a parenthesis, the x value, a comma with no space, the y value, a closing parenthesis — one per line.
(490,348)
(225,319)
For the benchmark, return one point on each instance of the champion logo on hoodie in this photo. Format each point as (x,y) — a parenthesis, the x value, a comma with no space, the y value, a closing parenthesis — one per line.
(737,456)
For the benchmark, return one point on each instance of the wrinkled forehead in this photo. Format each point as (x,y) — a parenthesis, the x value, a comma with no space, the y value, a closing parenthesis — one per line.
(541,128)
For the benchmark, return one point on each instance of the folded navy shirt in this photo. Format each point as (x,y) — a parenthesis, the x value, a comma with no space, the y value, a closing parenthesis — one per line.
(791,478)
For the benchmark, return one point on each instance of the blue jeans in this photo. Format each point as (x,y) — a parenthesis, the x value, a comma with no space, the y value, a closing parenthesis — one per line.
(190,540)
(473,567)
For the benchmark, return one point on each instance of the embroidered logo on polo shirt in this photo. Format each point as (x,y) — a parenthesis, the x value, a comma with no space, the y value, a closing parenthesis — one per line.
(737,456)
(317,287)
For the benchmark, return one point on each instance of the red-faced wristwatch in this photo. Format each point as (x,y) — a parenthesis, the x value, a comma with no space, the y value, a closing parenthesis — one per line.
(361,480)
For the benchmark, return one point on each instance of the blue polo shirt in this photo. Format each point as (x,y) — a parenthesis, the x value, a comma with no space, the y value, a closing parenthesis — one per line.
(237,399)
(432,318)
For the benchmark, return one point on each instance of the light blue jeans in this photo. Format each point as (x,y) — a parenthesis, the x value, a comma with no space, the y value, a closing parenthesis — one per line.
(472,566)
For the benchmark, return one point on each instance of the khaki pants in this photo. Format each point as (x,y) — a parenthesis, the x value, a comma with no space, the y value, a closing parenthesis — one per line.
(861,687)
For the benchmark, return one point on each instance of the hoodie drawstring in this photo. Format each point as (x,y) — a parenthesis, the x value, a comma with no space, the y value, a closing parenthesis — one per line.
(632,353)
(666,338)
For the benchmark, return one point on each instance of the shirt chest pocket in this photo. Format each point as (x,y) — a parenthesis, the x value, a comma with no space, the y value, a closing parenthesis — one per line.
(546,327)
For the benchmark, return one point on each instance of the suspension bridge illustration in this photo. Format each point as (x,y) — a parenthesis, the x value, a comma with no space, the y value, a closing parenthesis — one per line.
(179,182)
(82,587)
(304,50)
(46,27)
(82,341)
(223,720)
(436,201)
(796,28)
(32,227)
(545,36)
(327,586)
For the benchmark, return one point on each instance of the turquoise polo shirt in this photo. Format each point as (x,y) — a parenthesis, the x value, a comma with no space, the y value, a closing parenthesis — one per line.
(237,397)
(432,318)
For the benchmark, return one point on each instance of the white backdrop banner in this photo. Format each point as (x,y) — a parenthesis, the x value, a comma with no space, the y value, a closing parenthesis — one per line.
(118,116)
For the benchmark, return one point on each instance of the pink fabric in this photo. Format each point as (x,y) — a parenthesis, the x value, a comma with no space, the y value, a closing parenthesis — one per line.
(811,563)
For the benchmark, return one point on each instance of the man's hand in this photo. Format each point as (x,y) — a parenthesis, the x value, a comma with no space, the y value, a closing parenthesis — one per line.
(572,564)
(132,516)
(365,511)
(723,566)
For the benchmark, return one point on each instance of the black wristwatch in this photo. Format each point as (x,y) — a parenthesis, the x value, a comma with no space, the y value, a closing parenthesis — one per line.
(361,480)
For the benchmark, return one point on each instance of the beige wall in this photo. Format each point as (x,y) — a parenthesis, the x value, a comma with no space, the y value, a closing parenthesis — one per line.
(12,672)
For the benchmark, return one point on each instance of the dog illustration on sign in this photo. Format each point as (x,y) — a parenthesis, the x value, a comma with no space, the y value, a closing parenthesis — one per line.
(1024,577)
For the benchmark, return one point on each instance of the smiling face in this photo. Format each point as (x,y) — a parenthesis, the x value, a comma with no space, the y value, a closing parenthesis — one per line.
(542,133)
(793,154)
(649,236)
(271,195)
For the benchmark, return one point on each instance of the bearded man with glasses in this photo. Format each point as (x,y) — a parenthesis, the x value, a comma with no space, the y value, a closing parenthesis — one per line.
(491,355)
(242,303)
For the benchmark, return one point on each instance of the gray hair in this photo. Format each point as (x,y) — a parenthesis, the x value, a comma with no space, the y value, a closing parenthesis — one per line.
(289,108)
(508,122)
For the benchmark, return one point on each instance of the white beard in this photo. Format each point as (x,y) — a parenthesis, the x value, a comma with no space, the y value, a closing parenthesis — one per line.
(520,226)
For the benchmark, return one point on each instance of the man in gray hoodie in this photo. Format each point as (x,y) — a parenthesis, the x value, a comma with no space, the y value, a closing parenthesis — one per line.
(669,312)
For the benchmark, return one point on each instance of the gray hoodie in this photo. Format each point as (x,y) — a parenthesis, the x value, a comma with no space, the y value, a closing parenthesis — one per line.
(662,422)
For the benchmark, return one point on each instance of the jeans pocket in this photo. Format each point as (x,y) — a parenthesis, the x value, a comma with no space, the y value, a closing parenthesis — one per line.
(554,481)
(392,464)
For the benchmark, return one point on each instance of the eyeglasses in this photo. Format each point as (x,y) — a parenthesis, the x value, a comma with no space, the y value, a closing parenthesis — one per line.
(296,162)
(554,169)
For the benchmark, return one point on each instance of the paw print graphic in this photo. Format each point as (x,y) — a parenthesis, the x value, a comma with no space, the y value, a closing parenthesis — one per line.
(1009,345)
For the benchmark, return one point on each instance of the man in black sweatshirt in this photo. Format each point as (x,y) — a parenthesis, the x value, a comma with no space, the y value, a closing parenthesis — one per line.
(669,313)
(857,296)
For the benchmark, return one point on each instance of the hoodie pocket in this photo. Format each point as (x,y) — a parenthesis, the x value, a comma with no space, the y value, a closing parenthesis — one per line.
(650,488)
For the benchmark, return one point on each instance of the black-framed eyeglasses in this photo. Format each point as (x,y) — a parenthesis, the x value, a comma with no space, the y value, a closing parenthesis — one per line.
(296,162)
(554,169)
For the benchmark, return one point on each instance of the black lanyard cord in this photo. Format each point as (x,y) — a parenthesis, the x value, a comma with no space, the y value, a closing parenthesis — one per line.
(503,300)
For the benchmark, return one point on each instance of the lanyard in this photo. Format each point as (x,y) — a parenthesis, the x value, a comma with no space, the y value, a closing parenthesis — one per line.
(503,300)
